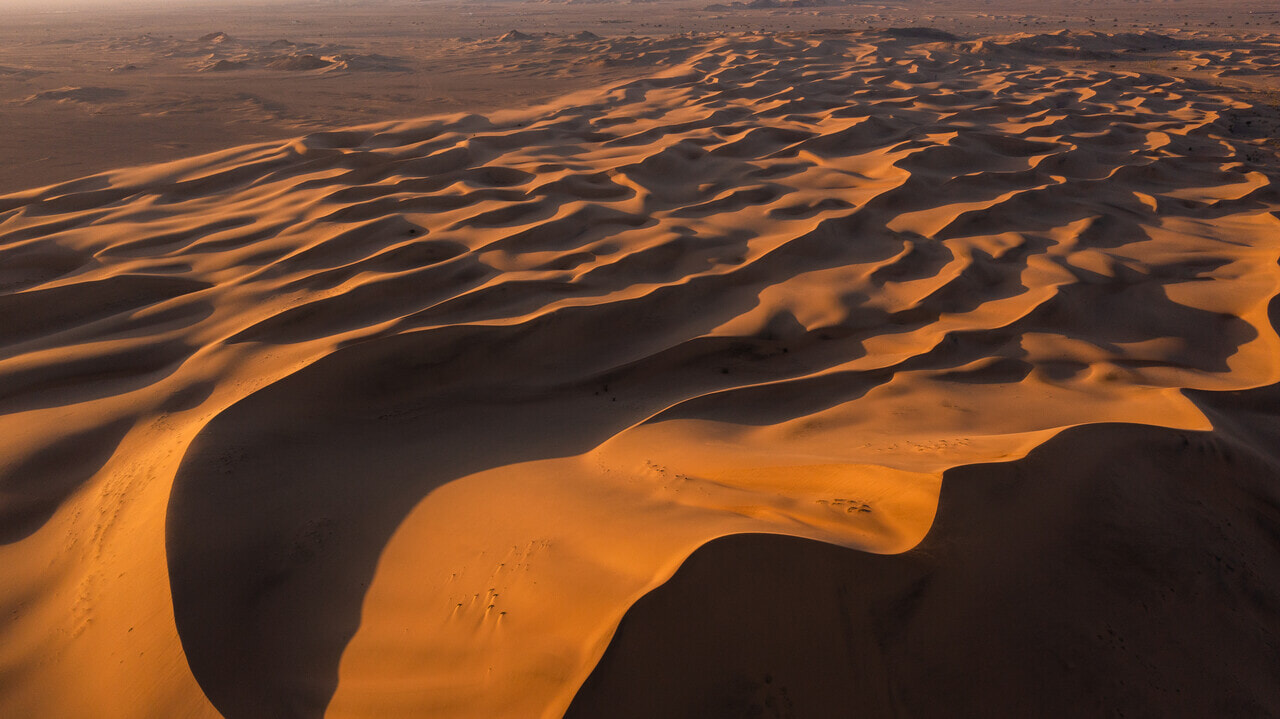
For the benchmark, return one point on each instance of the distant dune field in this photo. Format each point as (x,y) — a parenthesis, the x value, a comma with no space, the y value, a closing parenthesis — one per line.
(875,372)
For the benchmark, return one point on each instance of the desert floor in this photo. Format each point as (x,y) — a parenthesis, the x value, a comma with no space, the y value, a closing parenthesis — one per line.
(513,359)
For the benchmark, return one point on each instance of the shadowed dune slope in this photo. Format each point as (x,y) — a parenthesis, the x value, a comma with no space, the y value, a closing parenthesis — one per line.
(399,420)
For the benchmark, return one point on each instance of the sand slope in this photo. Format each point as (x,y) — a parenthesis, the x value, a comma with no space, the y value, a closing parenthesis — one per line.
(409,415)
(1117,570)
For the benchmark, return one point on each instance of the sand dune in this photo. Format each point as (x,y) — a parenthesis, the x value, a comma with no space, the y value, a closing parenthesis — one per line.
(400,420)
(79,94)
(1112,571)
(199,79)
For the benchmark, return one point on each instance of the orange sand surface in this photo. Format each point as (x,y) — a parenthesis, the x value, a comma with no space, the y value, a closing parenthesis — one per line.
(402,420)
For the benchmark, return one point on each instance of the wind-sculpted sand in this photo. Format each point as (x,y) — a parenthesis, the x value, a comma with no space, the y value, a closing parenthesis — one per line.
(401,420)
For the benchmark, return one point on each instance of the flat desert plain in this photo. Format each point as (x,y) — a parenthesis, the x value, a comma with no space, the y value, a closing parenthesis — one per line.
(653,360)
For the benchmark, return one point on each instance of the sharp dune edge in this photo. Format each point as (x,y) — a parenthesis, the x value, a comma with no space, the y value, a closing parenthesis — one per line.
(401,420)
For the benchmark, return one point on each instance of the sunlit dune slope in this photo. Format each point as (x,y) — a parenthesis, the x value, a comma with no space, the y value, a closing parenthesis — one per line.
(400,420)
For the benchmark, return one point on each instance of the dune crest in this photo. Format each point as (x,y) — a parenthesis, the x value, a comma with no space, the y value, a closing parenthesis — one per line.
(426,406)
